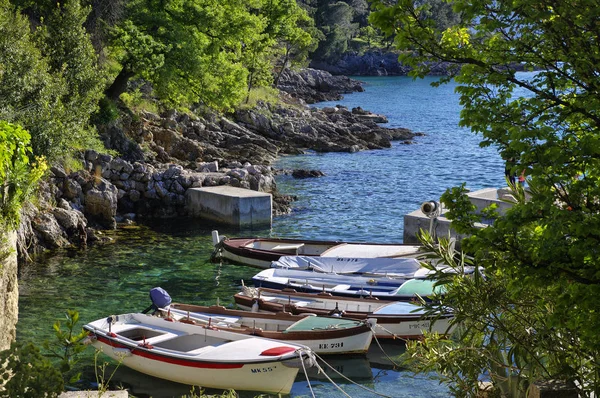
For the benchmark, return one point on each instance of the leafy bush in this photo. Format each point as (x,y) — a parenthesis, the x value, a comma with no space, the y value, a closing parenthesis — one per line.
(17,175)
(28,374)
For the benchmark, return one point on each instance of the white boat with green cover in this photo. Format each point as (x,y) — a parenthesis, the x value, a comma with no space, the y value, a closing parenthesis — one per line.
(322,334)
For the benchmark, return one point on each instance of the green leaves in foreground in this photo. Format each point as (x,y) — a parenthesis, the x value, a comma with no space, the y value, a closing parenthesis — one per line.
(67,345)
(28,374)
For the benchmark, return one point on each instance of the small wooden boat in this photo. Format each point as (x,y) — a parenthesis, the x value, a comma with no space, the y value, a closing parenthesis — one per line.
(199,356)
(381,287)
(394,319)
(261,252)
(322,334)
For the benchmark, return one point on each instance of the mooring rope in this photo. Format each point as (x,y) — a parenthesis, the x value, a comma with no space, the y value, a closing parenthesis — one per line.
(347,379)
(329,378)
(381,348)
(217,253)
(306,374)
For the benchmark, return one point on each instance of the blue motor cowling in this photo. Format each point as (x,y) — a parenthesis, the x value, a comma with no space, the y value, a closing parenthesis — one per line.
(160,299)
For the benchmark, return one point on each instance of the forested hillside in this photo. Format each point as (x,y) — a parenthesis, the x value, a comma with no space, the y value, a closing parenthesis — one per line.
(65,65)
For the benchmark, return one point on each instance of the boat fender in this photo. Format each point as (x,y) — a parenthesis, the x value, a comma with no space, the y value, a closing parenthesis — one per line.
(371,322)
(255,306)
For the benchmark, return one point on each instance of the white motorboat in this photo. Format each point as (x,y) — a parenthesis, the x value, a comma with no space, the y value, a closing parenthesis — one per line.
(199,356)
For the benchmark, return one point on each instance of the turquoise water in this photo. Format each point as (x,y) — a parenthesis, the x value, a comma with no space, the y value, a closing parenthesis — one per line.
(363,197)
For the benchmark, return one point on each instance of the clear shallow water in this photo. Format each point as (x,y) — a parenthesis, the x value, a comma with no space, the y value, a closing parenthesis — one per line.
(363,197)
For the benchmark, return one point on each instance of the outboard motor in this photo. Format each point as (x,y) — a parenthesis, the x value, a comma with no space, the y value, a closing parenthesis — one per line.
(160,299)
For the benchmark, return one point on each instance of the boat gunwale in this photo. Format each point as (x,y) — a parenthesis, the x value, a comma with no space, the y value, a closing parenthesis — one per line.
(180,356)
(270,306)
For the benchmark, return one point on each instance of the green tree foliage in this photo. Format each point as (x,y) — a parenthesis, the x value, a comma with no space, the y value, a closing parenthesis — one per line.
(545,248)
(49,80)
(68,48)
(335,19)
(29,93)
(292,32)
(17,175)
(206,51)
(67,345)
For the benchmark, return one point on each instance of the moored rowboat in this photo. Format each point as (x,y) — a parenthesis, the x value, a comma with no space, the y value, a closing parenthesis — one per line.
(381,287)
(261,252)
(322,334)
(199,356)
(394,319)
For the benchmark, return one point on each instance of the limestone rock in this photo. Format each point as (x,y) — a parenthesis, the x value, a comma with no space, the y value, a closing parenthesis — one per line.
(101,203)
(46,225)
(9,289)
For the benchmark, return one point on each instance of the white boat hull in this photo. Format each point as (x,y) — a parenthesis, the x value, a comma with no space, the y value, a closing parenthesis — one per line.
(266,376)
(358,344)
(411,329)
(253,262)
(334,337)
(272,377)
(199,356)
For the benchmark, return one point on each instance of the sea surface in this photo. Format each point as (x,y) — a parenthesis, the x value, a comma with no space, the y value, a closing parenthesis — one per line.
(362,197)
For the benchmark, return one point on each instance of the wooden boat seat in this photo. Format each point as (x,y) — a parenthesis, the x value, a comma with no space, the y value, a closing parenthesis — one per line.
(295,248)
(150,336)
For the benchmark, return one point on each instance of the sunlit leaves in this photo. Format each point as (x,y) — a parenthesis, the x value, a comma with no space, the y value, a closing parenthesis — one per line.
(546,121)
(18,175)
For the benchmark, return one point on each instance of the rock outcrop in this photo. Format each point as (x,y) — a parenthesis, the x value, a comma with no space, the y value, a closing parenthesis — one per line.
(373,63)
(9,289)
(312,85)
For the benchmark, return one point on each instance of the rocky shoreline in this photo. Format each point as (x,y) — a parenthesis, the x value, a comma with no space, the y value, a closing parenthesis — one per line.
(164,155)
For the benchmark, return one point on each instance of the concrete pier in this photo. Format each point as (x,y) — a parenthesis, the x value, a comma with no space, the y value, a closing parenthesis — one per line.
(231,206)
(440,225)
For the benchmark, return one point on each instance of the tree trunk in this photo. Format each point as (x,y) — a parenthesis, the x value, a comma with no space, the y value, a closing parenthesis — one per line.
(119,85)
(286,59)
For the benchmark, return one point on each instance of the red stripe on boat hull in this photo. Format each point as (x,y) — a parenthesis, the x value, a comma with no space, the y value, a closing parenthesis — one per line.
(175,361)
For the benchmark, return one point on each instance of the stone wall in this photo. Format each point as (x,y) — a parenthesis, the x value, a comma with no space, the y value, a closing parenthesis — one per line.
(9,291)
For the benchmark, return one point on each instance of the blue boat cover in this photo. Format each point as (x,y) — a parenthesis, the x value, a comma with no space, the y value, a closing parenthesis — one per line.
(160,298)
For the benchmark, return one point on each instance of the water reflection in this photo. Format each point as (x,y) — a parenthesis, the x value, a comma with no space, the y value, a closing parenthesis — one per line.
(345,371)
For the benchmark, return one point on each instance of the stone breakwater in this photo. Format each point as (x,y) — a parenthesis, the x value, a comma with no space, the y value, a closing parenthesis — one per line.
(110,190)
